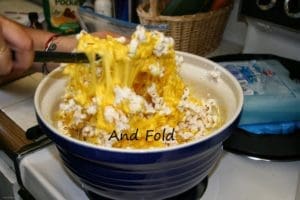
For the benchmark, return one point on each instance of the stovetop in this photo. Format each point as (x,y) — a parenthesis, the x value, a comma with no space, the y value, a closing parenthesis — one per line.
(235,177)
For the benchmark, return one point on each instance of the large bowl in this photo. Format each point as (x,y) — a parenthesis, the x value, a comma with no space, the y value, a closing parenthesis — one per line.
(145,174)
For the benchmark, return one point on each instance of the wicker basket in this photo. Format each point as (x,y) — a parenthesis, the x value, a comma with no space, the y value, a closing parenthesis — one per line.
(199,33)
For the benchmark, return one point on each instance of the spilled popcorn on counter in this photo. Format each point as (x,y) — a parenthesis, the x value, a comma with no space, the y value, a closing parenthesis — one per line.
(133,97)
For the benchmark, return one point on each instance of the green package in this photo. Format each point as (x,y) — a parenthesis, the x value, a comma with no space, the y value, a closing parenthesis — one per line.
(61,16)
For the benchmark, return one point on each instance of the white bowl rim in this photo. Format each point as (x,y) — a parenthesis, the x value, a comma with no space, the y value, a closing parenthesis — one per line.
(150,150)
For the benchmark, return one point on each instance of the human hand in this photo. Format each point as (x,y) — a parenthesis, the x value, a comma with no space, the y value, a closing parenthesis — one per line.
(22,41)
(13,38)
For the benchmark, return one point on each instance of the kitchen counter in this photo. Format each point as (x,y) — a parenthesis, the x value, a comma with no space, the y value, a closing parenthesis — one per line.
(16,116)
(42,173)
(17,10)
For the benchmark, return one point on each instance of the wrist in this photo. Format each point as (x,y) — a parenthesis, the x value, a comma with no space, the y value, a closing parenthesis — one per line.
(57,43)
(40,38)
(66,43)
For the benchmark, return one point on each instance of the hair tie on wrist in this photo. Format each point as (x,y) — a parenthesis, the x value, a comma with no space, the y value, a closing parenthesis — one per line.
(50,45)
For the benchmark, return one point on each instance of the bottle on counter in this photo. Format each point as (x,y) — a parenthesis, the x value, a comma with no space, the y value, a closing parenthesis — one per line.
(61,16)
(103,7)
(34,20)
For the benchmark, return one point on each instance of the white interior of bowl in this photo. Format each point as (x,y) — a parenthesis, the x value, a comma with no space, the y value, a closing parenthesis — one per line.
(196,71)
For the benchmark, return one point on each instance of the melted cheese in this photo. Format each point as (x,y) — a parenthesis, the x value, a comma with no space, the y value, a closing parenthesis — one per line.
(133,86)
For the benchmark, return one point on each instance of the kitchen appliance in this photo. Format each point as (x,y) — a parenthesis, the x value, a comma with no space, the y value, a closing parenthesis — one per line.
(235,177)
(273,27)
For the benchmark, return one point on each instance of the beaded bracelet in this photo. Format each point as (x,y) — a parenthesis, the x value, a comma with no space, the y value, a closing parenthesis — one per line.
(50,45)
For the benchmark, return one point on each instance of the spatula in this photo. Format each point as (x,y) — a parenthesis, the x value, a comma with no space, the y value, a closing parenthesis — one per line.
(61,57)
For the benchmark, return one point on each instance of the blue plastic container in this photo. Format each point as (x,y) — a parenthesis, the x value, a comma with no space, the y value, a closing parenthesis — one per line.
(272,99)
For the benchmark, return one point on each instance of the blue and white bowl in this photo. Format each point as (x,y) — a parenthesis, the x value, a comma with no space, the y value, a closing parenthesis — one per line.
(145,174)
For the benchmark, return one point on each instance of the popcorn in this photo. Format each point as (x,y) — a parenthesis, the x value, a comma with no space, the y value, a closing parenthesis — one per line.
(179,60)
(163,44)
(88,131)
(121,39)
(91,110)
(135,101)
(156,70)
(133,45)
(111,114)
(116,117)
(133,92)
(140,33)
(98,71)
(159,104)
(215,75)
(139,37)
(80,34)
